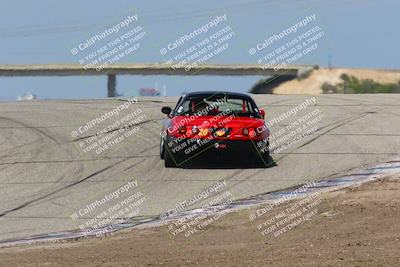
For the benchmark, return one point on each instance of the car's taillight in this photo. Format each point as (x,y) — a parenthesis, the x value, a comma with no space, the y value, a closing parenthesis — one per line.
(182,130)
(249,132)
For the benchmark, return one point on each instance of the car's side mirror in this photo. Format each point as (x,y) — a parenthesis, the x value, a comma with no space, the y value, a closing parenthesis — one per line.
(166,110)
(262,113)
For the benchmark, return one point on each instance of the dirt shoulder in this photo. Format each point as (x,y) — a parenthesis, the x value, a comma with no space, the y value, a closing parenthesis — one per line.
(358,226)
(312,84)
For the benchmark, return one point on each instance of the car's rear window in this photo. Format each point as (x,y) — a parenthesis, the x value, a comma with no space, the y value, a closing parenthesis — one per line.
(213,105)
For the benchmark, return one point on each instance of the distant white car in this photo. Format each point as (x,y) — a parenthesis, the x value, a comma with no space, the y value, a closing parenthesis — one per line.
(27,96)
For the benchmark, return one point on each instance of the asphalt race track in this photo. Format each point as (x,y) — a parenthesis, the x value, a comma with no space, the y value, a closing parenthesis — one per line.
(45,176)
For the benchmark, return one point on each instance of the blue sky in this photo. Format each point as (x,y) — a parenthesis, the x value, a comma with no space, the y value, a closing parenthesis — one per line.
(361,33)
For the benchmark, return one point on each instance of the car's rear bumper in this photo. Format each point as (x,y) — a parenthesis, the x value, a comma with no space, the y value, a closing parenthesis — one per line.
(190,148)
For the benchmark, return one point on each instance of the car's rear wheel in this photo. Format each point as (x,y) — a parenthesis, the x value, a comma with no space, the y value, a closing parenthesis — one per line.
(263,157)
(169,161)
(162,148)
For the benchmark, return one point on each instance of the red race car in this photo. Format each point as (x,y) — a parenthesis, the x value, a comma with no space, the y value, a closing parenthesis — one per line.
(220,123)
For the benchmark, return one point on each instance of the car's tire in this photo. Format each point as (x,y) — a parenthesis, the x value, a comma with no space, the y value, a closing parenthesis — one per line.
(169,161)
(265,158)
(162,148)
